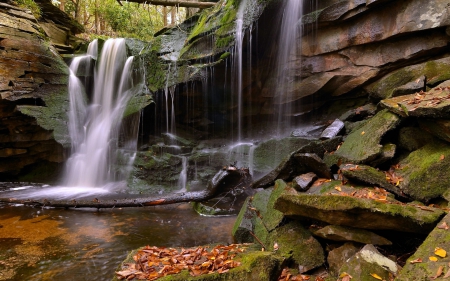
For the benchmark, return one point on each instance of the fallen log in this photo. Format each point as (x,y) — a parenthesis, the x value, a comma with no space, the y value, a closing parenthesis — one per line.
(185,4)
(213,188)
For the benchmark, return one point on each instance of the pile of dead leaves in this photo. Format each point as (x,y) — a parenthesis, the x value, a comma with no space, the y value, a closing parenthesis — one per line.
(391,177)
(376,193)
(286,275)
(152,263)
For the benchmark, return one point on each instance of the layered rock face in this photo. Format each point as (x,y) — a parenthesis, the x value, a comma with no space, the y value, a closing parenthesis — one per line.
(33,97)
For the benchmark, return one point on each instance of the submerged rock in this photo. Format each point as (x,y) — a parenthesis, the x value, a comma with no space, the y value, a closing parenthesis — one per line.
(350,234)
(369,262)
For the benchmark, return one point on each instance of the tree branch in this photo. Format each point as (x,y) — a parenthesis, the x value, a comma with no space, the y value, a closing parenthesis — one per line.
(181,3)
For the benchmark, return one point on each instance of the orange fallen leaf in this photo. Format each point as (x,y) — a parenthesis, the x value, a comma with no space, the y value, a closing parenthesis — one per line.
(440,252)
(376,276)
(362,133)
(442,157)
(433,258)
(418,260)
(338,188)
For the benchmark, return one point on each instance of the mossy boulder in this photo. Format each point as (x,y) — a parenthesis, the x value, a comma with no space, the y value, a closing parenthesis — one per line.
(436,127)
(243,225)
(367,262)
(432,104)
(369,175)
(363,145)
(270,216)
(293,242)
(425,171)
(413,138)
(347,234)
(339,256)
(439,237)
(255,266)
(436,71)
(359,212)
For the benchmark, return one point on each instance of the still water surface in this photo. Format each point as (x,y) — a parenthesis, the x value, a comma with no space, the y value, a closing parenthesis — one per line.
(86,244)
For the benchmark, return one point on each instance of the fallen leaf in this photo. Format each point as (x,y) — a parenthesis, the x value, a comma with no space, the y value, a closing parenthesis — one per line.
(362,133)
(275,246)
(376,276)
(443,226)
(418,260)
(433,258)
(338,188)
(438,273)
(440,252)
(442,157)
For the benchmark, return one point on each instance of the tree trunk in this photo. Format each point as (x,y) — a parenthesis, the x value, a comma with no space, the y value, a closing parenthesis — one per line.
(213,188)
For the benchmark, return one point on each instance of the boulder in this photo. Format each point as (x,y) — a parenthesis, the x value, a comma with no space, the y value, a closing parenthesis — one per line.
(243,225)
(333,130)
(295,243)
(359,113)
(387,153)
(303,182)
(426,269)
(255,265)
(413,138)
(366,213)
(367,263)
(310,162)
(369,175)
(432,104)
(436,72)
(436,127)
(350,234)
(424,172)
(410,88)
(339,256)
(363,145)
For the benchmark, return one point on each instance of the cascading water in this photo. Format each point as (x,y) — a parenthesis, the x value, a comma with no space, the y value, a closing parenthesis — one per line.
(288,42)
(238,62)
(94,128)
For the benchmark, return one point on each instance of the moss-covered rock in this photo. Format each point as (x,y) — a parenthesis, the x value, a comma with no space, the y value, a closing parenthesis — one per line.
(293,242)
(439,237)
(339,256)
(435,70)
(367,262)
(431,104)
(368,175)
(436,127)
(359,212)
(255,266)
(363,144)
(347,234)
(243,225)
(413,138)
(425,171)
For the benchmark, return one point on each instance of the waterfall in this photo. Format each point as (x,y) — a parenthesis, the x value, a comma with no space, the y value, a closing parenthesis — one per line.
(287,46)
(238,62)
(182,180)
(95,127)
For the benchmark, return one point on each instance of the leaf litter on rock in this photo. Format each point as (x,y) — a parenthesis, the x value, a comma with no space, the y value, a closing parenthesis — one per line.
(152,263)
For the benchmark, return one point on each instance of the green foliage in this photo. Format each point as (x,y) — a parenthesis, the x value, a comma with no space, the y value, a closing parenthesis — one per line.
(30,4)
(130,19)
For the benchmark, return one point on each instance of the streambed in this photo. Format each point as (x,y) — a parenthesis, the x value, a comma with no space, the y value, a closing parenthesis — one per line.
(86,244)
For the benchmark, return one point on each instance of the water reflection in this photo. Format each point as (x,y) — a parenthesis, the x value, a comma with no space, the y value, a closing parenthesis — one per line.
(84,244)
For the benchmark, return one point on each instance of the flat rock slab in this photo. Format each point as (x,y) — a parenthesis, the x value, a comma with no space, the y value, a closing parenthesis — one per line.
(369,262)
(345,233)
(363,144)
(339,256)
(369,175)
(360,212)
(437,127)
(424,270)
(255,265)
(424,173)
(310,162)
(333,130)
(433,104)
(304,182)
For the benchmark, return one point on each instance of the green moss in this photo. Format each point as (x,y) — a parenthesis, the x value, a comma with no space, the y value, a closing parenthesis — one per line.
(424,173)
(225,55)
(224,42)
(255,266)
(30,4)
